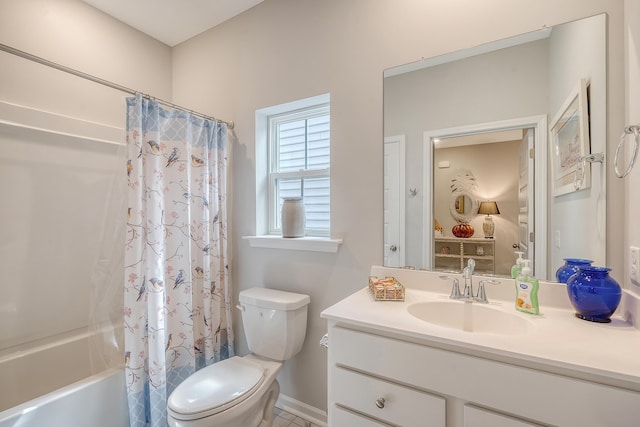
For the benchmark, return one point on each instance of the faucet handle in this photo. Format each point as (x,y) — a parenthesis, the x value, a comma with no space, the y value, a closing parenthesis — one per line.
(455,289)
(482,295)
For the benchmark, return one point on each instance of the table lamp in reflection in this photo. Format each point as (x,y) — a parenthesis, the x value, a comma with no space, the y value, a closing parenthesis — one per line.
(488,209)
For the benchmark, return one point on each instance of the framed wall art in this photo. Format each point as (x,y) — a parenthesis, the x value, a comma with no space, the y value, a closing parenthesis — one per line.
(570,142)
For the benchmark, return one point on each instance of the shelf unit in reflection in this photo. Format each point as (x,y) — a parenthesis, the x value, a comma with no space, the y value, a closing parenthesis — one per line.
(452,254)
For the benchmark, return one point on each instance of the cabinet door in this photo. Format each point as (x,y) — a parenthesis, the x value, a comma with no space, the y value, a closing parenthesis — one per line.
(386,401)
(477,417)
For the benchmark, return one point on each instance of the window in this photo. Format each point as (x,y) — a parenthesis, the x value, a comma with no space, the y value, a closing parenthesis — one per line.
(293,159)
(299,166)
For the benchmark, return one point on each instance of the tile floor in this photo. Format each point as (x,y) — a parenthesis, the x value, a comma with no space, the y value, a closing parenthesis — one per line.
(285,419)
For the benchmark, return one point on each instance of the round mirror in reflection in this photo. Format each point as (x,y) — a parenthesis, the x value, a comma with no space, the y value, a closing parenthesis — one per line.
(463,206)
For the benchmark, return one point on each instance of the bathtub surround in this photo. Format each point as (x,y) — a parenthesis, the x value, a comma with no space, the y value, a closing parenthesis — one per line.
(47,329)
(60,128)
(177,314)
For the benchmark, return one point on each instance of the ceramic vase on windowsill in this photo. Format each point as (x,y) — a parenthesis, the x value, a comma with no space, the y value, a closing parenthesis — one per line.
(293,217)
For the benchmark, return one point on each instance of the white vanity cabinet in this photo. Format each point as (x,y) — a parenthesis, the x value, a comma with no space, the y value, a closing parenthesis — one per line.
(423,385)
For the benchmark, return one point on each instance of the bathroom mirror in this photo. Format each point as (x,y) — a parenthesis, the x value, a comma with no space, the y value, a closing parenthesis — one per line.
(488,109)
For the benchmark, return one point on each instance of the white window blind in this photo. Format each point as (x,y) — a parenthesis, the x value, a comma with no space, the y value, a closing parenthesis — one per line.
(299,164)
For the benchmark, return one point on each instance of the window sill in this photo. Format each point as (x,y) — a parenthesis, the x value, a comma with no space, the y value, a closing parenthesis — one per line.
(314,244)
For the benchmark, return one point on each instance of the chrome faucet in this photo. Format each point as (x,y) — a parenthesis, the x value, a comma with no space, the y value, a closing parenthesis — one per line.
(467,274)
(467,294)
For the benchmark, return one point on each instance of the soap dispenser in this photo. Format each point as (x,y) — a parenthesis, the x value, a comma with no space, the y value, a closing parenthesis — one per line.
(517,267)
(527,290)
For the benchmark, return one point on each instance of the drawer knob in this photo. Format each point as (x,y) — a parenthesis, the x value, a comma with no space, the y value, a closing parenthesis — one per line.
(380,403)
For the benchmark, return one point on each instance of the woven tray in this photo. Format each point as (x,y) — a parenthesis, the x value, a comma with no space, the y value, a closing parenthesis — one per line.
(387,289)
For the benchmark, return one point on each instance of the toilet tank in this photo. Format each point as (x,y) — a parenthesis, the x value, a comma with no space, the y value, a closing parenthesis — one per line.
(274,322)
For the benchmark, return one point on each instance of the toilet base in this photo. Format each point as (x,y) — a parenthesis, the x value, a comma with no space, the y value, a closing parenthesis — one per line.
(267,415)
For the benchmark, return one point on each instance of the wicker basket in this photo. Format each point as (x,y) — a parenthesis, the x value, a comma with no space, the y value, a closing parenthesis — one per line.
(387,289)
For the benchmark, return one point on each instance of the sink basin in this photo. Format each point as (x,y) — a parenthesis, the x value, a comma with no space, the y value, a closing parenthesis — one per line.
(470,317)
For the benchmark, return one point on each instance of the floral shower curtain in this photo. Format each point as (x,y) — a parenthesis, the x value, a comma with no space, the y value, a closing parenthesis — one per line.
(177,310)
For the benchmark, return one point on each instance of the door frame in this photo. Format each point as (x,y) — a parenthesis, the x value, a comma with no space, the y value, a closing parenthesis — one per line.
(529,140)
(539,124)
(400,140)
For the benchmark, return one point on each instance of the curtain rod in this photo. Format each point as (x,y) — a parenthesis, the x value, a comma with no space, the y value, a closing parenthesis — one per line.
(98,80)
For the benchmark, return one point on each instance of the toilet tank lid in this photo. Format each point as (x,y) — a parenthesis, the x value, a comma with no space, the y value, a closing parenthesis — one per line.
(273,299)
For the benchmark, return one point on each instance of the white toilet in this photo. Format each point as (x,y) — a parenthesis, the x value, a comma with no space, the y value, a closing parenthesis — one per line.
(242,391)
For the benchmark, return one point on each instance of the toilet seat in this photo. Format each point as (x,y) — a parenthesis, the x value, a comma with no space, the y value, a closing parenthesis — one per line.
(215,388)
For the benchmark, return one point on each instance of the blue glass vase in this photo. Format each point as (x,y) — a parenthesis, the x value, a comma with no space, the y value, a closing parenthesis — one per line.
(594,294)
(571,266)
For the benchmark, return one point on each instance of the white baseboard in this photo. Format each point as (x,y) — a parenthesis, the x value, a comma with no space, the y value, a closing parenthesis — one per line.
(302,410)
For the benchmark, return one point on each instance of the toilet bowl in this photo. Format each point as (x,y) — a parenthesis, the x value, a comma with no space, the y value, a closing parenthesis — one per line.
(242,391)
(235,392)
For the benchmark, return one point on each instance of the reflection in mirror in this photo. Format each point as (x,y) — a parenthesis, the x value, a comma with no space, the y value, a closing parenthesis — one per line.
(500,185)
(436,105)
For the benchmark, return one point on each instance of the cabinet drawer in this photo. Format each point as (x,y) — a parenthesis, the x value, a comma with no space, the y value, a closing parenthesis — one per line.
(342,418)
(401,406)
(478,417)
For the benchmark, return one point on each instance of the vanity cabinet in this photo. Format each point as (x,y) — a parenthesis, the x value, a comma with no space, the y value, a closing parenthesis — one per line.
(424,385)
(452,253)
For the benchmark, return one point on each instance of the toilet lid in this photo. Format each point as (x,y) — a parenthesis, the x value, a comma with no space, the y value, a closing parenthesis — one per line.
(215,388)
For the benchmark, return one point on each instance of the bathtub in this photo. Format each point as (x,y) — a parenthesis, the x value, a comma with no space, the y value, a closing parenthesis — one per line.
(97,401)
(51,384)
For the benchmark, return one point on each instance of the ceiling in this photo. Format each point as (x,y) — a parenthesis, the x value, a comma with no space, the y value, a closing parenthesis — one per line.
(173,21)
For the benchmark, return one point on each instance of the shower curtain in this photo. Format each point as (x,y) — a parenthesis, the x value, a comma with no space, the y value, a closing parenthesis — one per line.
(177,308)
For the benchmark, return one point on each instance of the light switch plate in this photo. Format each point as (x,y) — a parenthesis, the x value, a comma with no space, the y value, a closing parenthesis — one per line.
(634,264)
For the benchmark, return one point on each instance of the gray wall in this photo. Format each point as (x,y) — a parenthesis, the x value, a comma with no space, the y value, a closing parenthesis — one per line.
(76,35)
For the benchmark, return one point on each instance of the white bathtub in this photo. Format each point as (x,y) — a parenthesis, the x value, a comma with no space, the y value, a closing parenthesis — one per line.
(51,383)
(97,401)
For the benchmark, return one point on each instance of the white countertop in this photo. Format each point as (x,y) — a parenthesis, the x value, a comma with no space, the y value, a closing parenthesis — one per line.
(557,342)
